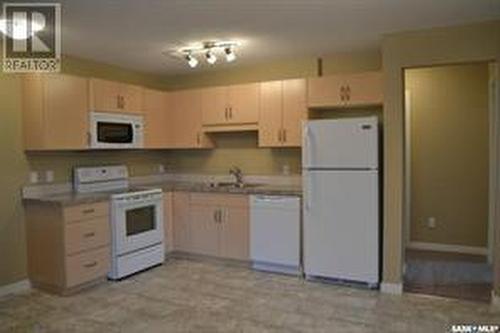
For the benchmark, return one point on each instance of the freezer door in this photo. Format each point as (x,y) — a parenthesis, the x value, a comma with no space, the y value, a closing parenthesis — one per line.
(341,143)
(341,225)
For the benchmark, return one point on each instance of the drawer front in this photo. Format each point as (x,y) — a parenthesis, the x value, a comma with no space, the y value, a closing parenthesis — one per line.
(86,235)
(218,199)
(87,266)
(86,211)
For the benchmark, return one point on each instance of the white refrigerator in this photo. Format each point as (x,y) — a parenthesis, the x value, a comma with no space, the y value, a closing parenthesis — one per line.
(341,199)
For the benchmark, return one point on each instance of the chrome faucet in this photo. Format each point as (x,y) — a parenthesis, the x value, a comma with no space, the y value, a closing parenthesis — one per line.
(238,175)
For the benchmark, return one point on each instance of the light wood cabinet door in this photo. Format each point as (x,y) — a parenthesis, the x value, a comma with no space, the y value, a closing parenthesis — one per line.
(131,98)
(294,111)
(364,89)
(186,120)
(243,103)
(65,112)
(271,114)
(204,231)
(168,221)
(156,119)
(235,231)
(214,106)
(180,213)
(105,95)
(325,91)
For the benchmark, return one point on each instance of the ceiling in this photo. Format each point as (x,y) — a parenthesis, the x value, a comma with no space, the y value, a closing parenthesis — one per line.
(136,33)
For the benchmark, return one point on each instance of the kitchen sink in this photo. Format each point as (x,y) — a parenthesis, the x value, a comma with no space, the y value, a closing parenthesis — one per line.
(234,185)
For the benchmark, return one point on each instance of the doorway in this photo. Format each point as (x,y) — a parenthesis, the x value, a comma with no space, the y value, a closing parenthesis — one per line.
(448,168)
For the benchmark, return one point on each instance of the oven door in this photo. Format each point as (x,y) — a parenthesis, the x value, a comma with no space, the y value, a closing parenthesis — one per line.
(137,225)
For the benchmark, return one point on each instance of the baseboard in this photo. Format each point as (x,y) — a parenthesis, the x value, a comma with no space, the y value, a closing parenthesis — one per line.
(391,288)
(448,248)
(15,288)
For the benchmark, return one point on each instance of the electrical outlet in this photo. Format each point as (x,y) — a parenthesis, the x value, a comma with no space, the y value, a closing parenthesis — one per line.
(33,177)
(161,168)
(431,222)
(49,176)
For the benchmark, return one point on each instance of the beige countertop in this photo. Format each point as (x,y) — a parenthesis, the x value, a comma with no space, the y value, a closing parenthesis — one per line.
(72,198)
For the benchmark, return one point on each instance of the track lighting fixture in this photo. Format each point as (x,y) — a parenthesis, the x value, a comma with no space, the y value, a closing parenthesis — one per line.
(210,50)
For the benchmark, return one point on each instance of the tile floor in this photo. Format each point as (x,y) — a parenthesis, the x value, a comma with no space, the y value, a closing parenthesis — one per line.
(200,296)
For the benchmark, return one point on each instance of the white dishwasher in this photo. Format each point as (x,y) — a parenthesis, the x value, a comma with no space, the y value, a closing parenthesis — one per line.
(275,233)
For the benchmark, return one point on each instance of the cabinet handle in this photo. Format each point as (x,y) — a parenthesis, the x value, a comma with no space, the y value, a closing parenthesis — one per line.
(342,93)
(91,264)
(89,234)
(215,216)
(198,138)
(284,135)
(88,211)
(225,113)
(348,93)
(279,135)
(230,112)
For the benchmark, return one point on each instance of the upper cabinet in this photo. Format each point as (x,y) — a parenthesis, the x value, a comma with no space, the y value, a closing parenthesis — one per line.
(349,90)
(230,105)
(282,110)
(111,96)
(55,112)
(186,120)
(157,124)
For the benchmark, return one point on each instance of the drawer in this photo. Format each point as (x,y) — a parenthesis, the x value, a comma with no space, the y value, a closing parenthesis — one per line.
(217,199)
(87,266)
(86,235)
(86,211)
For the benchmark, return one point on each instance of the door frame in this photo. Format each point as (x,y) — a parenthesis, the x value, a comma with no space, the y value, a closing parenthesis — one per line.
(493,171)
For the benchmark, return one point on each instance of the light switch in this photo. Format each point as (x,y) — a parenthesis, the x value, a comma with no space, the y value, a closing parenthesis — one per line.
(33,177)
(49,176)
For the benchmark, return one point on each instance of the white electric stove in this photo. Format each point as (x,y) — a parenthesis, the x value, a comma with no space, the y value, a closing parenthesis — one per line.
(136,218)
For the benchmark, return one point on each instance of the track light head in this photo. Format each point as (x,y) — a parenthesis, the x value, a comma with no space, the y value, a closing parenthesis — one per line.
(230,55)
(211,58)
(192,61)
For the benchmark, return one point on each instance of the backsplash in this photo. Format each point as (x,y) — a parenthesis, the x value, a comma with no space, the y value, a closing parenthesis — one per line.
(238,149)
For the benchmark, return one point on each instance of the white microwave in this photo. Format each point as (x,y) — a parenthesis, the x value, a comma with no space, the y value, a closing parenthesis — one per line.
(116,131)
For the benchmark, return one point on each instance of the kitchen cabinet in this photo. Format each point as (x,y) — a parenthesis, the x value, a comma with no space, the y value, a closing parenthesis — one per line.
(68,247)
(168,220)
(157,126)
(220,225)
(186,120)
(349,90)
(180,221)
(111,96)
(211,224)
(282,110)
(55,112)
(230,105)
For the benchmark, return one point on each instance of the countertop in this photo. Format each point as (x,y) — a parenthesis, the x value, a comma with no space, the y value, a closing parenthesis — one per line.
(72,198)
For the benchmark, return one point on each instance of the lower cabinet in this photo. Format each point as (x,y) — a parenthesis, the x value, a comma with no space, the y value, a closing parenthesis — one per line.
(68,247)
(212,224)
